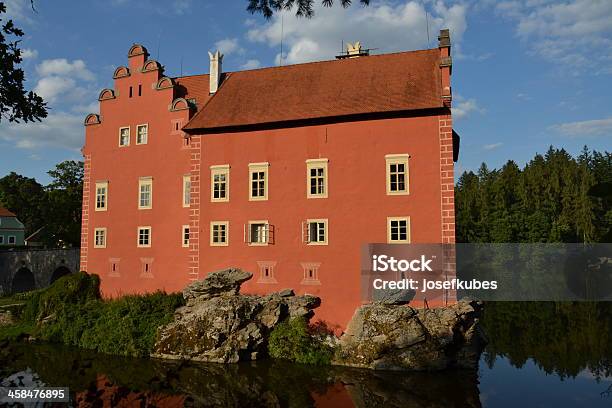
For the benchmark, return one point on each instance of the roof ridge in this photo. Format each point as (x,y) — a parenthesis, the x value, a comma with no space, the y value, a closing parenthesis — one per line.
(319,62)
(188,76)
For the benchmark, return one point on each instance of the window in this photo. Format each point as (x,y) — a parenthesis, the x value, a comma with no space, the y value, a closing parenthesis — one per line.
(102,196)
(1,239)
(266,272)
(311,273)
(145,193)
(258,181)
(114,267)
(398,230)
(146,270)
(258,233)
(131,91)
(144,237)
(315,232)
(185,236)
(139,89)
(397,174)
(186,190)
(124,136)
(219,183)
(12,239)
(219,231)
(142,133)
(175,126)
(100,238)
(316,178)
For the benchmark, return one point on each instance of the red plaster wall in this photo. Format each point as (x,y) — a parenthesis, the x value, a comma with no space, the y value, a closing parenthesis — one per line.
(357,207)
(166,159)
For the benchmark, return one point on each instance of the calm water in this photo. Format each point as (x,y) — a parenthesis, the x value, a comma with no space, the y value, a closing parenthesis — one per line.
(540,355)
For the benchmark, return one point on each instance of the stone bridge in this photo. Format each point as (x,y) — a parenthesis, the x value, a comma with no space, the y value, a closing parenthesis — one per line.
(26,269)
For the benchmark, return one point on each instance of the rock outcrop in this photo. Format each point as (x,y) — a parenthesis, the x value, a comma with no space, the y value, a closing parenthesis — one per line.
(392,337)
(219,325)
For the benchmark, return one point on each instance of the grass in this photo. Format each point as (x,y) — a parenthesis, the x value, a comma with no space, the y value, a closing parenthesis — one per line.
(72,312)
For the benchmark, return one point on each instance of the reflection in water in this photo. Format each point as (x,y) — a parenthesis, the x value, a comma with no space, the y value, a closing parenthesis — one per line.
(97,380)
(562,338)
(528,343)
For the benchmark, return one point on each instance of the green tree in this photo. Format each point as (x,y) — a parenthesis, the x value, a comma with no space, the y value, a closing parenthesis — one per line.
(554,198)
(16,103)
(26,198)
(64,197)
(304,7)
(55,208)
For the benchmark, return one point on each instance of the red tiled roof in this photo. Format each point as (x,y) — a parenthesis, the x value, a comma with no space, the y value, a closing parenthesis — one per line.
(374,84)
(6,213)
(194,87)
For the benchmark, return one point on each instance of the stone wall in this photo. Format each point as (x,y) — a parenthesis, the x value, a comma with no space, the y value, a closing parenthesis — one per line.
(37,267)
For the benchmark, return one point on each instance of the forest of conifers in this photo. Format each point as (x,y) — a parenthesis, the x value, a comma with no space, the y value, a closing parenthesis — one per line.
(553,198)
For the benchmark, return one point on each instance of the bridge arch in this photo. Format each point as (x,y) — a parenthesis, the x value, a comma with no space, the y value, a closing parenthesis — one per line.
(60,271)
(23,281)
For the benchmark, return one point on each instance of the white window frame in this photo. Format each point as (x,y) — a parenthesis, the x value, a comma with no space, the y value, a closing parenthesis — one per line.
(144,181)
(142,228)
(146,134)
(317,164)
(104,185)
(307,235)
(128,136)
(11,238)
(259,167)
(213,224)
(399,241)
(249,238)
(398,159)
(222,169)
(185,236)
(186,190)
(308,267)
(104,237)
(269,267)
(1,239)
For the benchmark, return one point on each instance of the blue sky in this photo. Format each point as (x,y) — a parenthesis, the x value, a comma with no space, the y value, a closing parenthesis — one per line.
(527,73)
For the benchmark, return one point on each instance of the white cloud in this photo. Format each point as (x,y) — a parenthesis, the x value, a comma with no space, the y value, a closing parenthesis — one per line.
(28,53)
(180,7)
(70,90)
(523,96)
(586,128)
(385,26)
(63,67)
(20,10)
(57,130)
(574,33)
(464,107)
(177,7)
(251,64)
(492,146)
(228,46)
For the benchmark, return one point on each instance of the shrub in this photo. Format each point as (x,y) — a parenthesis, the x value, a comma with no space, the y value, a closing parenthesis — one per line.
(78,288)
(72,312)
(291,340)
(124,326)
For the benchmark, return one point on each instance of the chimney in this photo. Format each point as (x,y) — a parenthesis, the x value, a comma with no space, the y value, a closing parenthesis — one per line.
(216,60)
(446,65)
(353,51)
